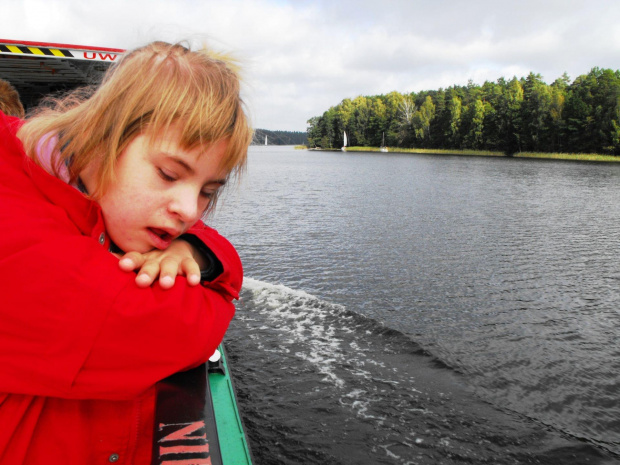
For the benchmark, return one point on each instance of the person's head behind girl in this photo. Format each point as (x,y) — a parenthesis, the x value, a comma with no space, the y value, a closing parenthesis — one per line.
(161,102)
(10,104)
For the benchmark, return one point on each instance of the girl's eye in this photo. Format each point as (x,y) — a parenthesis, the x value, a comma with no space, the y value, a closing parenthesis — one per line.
(208,194)
(166,175)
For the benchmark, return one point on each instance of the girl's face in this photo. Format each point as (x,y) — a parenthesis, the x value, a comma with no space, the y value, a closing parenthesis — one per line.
(160,191)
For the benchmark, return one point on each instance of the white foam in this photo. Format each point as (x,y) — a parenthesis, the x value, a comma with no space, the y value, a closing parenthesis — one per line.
(260,286)
(302,316)
(360,403)
(388,452)
(316,332)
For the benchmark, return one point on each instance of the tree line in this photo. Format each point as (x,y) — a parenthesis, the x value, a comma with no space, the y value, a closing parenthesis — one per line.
(515,115)
(279,137)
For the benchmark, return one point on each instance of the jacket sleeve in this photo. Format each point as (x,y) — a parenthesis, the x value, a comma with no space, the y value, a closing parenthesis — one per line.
(73,325)
(225,279)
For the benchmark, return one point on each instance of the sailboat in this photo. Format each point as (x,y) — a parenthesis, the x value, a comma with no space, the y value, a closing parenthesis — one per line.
(265,140)
(344,146)
(383,148)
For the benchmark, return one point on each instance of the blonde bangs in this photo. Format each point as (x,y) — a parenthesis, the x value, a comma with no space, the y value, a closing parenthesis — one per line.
(200,96)
(149,90)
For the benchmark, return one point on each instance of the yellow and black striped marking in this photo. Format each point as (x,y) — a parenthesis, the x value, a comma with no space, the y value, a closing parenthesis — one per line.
(40,51)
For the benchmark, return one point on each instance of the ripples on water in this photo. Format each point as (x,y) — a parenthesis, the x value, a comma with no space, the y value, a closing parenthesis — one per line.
(504,271)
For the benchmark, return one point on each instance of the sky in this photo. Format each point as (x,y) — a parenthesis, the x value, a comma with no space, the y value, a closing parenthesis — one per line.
(301,57)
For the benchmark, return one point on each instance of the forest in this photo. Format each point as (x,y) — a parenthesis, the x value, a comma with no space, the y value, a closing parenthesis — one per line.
(279,137)
(516,115)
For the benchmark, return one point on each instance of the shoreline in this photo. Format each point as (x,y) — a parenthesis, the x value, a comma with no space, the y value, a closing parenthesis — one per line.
(483,153)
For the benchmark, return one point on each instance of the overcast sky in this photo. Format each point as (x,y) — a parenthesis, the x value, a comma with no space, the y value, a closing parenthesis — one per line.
(303,56)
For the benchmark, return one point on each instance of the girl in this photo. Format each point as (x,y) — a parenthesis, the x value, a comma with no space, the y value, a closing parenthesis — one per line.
(125,173)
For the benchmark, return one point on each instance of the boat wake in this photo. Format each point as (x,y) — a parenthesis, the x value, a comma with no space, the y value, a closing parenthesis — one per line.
(317,380)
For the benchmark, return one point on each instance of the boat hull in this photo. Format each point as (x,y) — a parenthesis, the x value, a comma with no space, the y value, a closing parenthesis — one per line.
(197,419)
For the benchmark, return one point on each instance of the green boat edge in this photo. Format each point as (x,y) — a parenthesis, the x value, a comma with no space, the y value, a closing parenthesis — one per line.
(232,439)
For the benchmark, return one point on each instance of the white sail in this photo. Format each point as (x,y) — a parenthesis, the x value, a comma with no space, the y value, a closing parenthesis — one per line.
(265,140)
(345,139)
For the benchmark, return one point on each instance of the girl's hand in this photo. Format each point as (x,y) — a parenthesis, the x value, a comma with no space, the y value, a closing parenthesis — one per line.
(179,259)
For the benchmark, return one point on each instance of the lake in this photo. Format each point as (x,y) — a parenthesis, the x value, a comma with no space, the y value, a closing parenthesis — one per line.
(426,309)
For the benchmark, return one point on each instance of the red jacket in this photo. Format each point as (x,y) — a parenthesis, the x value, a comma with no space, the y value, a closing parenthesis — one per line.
(81,346)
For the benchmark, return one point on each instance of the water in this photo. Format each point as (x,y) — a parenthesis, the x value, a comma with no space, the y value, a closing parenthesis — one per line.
(418,309)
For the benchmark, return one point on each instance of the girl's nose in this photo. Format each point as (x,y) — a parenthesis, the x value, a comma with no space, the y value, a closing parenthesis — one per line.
(184,204)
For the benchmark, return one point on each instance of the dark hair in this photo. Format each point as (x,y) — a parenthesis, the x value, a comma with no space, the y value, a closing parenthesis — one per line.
(10,104)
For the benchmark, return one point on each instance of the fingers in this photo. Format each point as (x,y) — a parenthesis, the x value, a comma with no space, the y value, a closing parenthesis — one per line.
(164,265)
(167,269)
(149,271)
(131,261)
(191,270)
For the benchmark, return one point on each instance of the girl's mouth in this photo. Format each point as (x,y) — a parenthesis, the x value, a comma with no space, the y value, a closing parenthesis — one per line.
(161,239)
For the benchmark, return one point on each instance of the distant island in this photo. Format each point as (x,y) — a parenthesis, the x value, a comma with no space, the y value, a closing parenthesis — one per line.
(510,116)
(279,137)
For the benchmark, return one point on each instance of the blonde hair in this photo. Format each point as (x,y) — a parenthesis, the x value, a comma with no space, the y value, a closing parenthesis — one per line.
(10,104)
(147,91)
